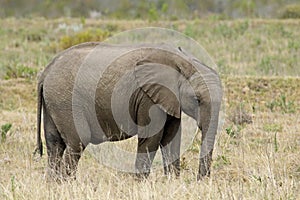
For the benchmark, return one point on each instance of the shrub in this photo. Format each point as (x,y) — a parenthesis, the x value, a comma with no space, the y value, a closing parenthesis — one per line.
(291,11)
(152,14)
(90,35)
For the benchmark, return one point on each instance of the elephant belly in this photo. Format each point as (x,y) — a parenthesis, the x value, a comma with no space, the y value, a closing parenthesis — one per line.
(109,131)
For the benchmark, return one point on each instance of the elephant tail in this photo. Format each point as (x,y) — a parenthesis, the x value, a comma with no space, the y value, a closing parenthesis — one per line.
(39,147)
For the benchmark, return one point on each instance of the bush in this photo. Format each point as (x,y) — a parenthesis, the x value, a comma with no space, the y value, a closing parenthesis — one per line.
(91,35)
(291,11)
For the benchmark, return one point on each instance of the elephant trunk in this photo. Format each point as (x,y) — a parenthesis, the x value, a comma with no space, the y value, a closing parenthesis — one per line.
(208,124)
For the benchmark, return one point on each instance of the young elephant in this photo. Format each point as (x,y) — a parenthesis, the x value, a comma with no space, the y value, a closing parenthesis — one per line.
(95,92)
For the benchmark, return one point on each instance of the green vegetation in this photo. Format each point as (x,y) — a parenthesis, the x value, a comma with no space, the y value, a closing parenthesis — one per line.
(240,47)
(221,160)
(291,11)
(4,130)
(230,132)
(275,143)
(272,127)
(95,35)
(150,10)
(282,104)
(233,131)
(20,71)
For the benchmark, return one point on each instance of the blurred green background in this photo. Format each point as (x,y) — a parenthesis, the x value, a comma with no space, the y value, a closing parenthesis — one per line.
(245,37)
(153,9)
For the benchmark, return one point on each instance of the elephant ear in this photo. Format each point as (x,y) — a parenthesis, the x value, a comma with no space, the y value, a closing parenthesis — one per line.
(161,83)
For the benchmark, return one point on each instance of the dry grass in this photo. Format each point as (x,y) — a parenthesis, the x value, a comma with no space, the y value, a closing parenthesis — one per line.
(261,161)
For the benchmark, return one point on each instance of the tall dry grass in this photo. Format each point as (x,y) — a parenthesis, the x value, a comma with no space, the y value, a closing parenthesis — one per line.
(257,161)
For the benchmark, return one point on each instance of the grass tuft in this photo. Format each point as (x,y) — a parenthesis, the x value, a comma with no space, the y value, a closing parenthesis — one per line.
(4,130)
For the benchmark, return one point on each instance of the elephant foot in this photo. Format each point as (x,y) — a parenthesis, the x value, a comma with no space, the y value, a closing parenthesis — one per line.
(204,172)
(60,175)
(141,176)
(173,169)
(201,178)
(54,175)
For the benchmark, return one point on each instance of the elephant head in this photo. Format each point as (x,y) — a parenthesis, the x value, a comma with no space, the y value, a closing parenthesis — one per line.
(179,82)
(205,95)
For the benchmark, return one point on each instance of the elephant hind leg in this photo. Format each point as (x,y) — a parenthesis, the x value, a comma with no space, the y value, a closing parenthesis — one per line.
(55,148)
(71,159)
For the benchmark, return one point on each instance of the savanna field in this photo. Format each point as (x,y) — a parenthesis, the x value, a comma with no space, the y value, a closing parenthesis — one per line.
(256,156)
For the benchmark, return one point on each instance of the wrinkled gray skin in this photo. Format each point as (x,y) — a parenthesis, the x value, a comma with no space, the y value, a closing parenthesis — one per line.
(76,89)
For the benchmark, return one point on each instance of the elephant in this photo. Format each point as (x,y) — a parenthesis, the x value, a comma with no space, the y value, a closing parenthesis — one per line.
(97,92)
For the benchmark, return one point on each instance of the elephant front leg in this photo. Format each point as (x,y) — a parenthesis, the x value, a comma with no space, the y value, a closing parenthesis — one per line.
(170,146)
(146,151)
